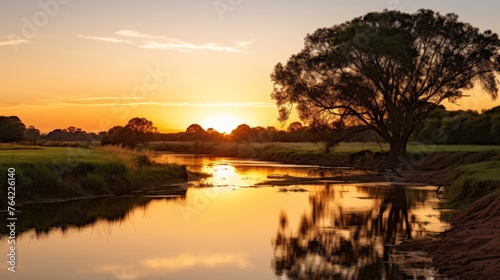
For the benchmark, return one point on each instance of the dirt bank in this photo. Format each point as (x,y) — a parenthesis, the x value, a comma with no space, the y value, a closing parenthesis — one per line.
(471,249)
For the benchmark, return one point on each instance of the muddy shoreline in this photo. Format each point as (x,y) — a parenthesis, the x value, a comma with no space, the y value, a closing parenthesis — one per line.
(471,248)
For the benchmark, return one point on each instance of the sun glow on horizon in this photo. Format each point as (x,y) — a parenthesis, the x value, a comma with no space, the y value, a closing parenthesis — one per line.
(222,123)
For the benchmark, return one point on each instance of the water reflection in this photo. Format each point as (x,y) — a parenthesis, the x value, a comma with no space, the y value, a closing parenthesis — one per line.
(43,218)
(232,172)
(346,235)
(228,231)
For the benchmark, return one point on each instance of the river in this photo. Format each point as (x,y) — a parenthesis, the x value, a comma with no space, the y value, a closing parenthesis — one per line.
(232,225)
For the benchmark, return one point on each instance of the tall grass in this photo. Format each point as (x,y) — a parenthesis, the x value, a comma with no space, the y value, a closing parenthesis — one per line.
(131,158)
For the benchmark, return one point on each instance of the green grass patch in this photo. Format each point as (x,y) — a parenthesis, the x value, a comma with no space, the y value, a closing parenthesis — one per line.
(483,171)
(476,180)
(66,172)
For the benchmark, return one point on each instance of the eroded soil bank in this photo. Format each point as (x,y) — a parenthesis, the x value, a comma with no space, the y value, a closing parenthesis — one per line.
(471,248)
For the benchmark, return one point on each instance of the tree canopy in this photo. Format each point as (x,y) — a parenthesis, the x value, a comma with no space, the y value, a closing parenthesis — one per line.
(141,126)
(136,131)
(385,71)
(11,129)
(195,128)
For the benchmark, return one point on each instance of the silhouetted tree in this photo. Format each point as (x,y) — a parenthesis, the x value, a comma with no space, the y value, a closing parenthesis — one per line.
(11,129)
(32,133)
(137,130)
(140,126)
(211,130)
(386,71)
(72,129)
(195,128)
(70,134)
(241,132)
(294,127)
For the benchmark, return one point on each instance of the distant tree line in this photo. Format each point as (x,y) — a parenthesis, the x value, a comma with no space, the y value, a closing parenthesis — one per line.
(441,127)
(460,127)
(12,129)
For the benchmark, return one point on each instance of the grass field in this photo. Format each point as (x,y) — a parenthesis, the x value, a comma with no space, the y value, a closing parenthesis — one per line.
(16,154)
(67,172)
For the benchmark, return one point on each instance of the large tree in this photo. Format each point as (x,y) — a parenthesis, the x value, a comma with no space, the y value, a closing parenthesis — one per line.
(385,71)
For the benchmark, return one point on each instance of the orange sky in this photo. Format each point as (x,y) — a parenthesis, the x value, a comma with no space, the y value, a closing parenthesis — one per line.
(95,64)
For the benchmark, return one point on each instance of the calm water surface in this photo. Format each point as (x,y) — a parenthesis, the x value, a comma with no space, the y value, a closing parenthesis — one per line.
(229,230)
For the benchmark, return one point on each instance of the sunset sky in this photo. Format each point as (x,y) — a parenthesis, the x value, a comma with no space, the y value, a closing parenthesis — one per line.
(96,64)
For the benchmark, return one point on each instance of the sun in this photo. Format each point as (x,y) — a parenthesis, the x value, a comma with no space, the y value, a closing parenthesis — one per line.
(222,123)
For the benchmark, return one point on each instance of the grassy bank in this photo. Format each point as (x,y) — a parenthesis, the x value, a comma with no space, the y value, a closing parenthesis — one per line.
(474,181)
(67,172)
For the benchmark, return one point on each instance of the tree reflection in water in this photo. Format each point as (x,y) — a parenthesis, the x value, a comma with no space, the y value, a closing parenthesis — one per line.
(44,218)
(335,243)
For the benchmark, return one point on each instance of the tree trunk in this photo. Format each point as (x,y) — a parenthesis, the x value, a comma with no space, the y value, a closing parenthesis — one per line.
(397,151)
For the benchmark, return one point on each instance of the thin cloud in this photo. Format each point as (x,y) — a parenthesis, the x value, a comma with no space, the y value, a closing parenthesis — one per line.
(136,34)
(93,100)
(129,101)
(107,98)
(157,42)
(106,39)
(17,104)
(186,47)
(243,44)
(13,42)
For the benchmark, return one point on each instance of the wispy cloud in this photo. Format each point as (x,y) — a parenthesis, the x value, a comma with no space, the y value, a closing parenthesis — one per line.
(106,98)
(13,42)
(136,34)
(186,47)
(169,104)
(19,104)
(133,101)
(158,42)
(106,39)
(244,43)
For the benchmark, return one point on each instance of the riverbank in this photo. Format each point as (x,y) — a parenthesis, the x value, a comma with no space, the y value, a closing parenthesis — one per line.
(61,173)
(471,248)
(432,164)
(470,174)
